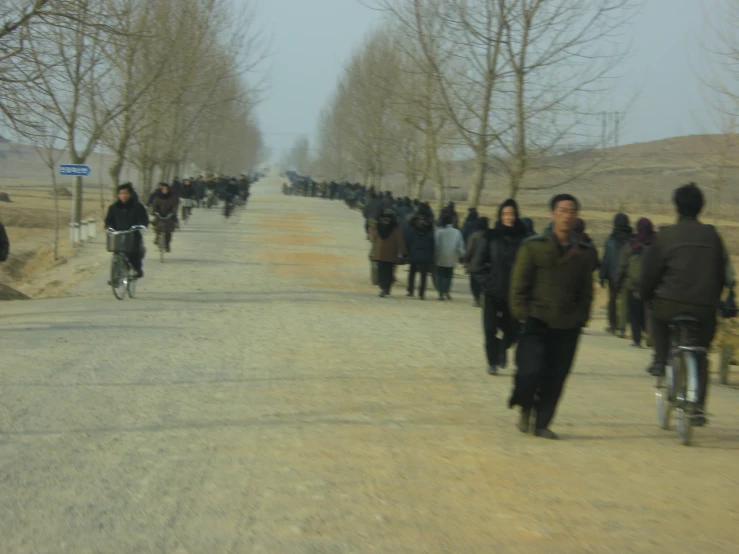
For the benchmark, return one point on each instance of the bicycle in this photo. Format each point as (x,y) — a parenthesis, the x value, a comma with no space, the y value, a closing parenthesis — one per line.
(122,274)
(161,240)
(679,389)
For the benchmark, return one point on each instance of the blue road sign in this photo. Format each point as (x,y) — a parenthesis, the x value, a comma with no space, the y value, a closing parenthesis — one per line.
(76,170)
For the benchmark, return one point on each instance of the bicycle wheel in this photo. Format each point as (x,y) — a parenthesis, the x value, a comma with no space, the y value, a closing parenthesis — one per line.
(687,380)
(131,282)
(664,396)
(118,278)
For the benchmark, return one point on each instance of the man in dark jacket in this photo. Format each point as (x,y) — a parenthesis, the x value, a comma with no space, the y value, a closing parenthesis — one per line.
(622,233)
(684,273)
(492,270)
(124,214)
(420,241)
(551,294)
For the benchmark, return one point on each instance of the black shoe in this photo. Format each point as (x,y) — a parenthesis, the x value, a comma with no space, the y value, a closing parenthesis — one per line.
(441,299)
(524,423)
(622,333)
(699,419)
(421,297)
(382,294)
(656,370)
(502,357)
(410,294)
(139,274)
(635,345)
(492,370)
(546,434)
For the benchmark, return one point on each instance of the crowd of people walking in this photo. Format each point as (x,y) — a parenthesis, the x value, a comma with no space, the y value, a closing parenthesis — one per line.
(536,289)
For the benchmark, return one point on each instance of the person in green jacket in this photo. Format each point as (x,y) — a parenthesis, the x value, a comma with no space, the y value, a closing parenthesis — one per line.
(551,294)
(629,277)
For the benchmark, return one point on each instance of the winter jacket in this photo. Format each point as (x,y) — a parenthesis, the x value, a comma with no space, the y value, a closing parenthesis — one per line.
(472,245)
(552,283)
(188,191)
(496,258)
(449,246)
(621,234)
(165,204)
(470,224)
(685,266)
(121,217)
(390,248)
(421,241)
(4,244)
(629,269)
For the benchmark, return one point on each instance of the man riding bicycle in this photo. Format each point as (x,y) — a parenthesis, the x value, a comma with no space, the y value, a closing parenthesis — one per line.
(165,205)
(683,274)
(124,214)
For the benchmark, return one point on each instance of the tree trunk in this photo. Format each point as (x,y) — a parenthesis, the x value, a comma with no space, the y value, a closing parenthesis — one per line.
(478,181)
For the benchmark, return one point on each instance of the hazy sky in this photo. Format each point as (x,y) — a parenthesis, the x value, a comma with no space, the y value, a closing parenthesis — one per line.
(313,39)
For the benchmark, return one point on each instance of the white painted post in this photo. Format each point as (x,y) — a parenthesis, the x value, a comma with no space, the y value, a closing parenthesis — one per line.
(92,230)
(74,233)
(83,230)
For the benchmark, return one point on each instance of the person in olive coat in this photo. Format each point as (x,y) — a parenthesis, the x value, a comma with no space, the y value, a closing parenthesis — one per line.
(551,295)
(389,246)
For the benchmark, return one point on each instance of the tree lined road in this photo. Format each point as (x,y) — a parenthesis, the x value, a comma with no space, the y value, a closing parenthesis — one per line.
(257,396)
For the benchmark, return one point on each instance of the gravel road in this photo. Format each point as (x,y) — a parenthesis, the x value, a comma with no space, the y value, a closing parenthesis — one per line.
(258,397)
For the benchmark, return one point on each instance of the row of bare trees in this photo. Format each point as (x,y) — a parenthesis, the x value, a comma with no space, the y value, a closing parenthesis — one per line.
(507,84)
(163,86)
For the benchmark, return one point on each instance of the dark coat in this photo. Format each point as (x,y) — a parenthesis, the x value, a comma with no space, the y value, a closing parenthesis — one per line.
(552,284)
(121,217)
(4,244)
(420,240)
(470,224)
(188,191)
(622,233)
(496,257)
(685,268)
(165,204)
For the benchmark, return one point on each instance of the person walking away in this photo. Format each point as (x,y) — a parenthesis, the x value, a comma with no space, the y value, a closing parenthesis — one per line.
(621,234)
(582,236)
(449,250)
(528,223)
(187,199)
(470,224)
(684,274)
(629,277)
(389,246)
(420,241)
(473,245)
(492,271)
(551,294)
(124,214)
(165,204)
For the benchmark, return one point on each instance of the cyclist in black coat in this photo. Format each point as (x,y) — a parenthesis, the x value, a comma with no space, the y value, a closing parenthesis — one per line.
(124,214)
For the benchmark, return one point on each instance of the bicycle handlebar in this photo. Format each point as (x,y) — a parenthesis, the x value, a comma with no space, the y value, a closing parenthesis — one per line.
(126,232)
(164,217)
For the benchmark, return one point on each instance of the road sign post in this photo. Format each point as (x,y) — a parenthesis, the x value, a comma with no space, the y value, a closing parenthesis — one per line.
(78,171)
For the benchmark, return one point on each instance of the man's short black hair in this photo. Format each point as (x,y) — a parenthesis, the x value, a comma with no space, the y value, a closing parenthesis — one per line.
(564,198)
(688,200)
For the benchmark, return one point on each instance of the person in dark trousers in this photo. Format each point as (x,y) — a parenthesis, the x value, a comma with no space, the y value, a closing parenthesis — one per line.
(629,276)
(470,224)
(684,274)
(473,245)
(421,250)
(449,251)
(124,214)
(551,294)
(493,272)
(388,248)
(5,243)
(621,234)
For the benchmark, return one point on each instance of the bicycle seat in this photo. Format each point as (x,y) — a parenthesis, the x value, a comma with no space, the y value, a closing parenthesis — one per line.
(684,319)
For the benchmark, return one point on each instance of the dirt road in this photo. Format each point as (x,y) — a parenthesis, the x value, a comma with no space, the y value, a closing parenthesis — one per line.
(259,398)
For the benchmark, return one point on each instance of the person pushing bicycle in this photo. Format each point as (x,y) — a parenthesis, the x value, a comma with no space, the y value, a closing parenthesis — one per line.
(683,274)
(124,214)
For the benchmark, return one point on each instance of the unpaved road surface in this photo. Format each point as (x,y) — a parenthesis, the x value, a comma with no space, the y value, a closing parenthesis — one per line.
(259,397)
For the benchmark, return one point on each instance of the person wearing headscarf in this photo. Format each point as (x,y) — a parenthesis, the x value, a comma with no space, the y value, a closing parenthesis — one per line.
(388,248)
(617,309)
(492,269)
(124,214)
(473,245)
(583,237)
(629,276)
